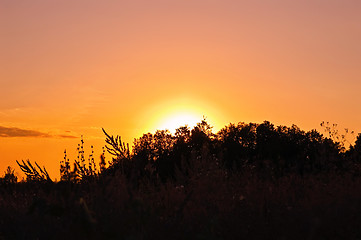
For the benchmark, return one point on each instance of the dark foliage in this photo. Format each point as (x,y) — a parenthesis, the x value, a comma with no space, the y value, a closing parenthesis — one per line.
(9,177)
(248,181)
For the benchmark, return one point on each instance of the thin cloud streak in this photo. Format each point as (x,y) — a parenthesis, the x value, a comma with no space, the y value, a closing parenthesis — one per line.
(66,136)
(7,132)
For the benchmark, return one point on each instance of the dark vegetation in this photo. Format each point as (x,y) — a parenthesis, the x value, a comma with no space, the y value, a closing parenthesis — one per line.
(248,181)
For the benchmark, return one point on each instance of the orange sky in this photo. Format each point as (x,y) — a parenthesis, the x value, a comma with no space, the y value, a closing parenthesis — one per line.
(68,68)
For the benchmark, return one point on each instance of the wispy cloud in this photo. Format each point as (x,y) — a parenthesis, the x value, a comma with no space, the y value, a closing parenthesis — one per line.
(19,132)
(66,136)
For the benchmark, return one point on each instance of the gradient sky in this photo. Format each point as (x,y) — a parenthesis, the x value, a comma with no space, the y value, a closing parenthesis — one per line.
(68,68)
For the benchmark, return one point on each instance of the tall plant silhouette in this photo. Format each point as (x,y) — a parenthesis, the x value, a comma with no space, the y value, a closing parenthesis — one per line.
(118,149)
(34,173)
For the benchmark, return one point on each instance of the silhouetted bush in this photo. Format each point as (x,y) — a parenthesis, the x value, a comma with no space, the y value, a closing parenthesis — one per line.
(9,177)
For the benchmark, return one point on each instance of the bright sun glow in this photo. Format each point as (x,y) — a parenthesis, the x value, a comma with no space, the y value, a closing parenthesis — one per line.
(177,120)
(173,113)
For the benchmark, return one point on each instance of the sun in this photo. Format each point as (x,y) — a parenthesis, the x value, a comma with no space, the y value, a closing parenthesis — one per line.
(170,114)
(179,119)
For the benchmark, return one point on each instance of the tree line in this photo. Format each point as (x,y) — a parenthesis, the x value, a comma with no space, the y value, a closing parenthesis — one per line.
(264,149)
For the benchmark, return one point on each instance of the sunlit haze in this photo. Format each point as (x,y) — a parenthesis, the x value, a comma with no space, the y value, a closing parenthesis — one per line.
(70,68)
(172,122)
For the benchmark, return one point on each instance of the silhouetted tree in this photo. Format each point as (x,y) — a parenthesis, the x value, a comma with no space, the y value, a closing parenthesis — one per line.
(357,145)
(182,135)
(201,134)
(237,144)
